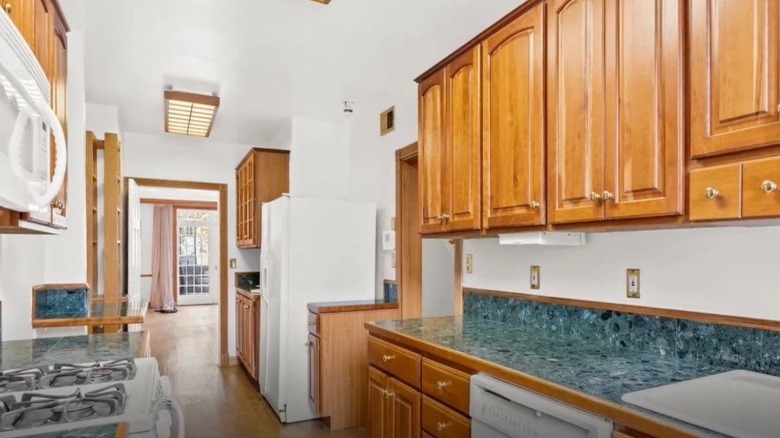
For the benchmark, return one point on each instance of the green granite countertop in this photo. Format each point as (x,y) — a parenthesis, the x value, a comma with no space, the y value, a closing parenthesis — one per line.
(596,370)
(72,349)
(100,313)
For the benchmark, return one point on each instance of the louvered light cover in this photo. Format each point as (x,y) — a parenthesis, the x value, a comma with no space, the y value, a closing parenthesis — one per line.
(190,113)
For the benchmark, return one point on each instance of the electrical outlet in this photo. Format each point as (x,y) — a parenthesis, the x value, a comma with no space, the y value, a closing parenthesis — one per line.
(469,264)
(393,258)
(632,283)
(232,263)
(392,223)
(536,277)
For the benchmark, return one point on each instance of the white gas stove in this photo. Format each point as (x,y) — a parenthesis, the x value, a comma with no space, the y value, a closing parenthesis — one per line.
(62,397)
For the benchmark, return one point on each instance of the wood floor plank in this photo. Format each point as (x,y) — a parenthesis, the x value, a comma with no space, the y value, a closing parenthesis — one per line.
(217,402)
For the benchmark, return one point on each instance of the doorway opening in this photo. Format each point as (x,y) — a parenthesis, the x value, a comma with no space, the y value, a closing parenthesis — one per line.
(196,264)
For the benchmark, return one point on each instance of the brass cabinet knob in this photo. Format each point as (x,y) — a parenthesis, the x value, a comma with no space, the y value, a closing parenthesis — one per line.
(534,205)
(711,193)
(768,186)
(441,384)
(441,425)
(57,204)
(8,8)
(388,357)
(606,195)
(595,196)
(445,217)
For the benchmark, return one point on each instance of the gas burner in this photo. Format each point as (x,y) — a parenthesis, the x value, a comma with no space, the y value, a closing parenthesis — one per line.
(69,375)
(38,409)
(20,380)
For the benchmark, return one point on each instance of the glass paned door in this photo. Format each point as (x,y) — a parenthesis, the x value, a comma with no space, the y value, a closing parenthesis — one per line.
(197,256)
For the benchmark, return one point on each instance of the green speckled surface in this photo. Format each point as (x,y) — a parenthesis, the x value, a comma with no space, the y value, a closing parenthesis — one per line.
(108,431)
(593,368)
(71,349)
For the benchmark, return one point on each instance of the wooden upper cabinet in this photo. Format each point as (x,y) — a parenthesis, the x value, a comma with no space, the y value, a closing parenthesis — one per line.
(735,69)
(462,164)
(18,13)
(262,176)
(42,31)
(432,153)
(645,131)
(513,123)
(59,96)
(575,110)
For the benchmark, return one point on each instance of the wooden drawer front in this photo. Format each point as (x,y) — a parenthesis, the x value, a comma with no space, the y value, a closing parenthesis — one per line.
(715,193)
(314,323)
(761,188)
(445,384)
(395,360)
(442,422)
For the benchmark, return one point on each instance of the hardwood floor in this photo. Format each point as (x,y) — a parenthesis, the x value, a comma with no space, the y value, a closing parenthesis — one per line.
(217,402)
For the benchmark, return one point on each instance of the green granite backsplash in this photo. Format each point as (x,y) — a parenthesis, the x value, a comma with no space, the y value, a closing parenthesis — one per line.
(711,344)
(61,303)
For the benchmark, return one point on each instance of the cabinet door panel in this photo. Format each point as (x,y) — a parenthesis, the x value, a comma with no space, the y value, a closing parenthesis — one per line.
(575,109)
(644,108)
(377,411)
(464,148)
(431,147)
(715,193)
(735,69)
(404,410)
(42,34)
(513,112)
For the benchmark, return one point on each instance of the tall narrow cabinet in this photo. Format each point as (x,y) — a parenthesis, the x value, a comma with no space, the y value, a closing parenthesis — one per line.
(263,175)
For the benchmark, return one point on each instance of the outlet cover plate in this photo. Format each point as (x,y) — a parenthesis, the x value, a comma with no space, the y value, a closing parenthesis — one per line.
(469,264)
(536,277)
(632,283)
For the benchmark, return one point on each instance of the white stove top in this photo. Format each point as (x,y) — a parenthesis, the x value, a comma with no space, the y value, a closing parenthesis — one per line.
(133,400)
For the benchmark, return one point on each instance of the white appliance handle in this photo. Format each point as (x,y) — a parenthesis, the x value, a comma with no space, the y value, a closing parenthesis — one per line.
(177,416)
(60,151)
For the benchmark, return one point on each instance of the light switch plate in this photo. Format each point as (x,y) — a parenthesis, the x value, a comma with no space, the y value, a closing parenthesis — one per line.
(632,283)
(536,277)
(469,264)
(232,263)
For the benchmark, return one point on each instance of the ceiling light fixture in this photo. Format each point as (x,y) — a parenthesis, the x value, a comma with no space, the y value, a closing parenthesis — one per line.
(190,113)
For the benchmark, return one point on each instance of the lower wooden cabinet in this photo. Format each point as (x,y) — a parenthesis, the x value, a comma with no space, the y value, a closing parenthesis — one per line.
(248,331)
(394,408)
(337,363)
(443,422)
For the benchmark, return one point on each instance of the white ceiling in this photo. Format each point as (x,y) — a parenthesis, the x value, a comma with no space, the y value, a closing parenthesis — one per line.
(268,59)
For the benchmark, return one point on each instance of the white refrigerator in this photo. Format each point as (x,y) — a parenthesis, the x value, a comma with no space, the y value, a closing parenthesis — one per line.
(313,250)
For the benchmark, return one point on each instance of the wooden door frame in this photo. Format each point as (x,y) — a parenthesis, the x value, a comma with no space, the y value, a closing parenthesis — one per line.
(224,358)
(409,306)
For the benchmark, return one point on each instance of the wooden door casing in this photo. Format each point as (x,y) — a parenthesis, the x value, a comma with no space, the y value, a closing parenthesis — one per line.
(433,205)
(513,123)
(463,150)
(59,96)
(575,110)
(645,108)
(735,75)
(405,410)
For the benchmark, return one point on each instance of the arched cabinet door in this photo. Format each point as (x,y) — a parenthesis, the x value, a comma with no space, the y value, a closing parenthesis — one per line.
(513,123)
(431,145)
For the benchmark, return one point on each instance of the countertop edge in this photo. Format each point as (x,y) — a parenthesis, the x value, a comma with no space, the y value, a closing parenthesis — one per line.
(247,294)
(335,307)
(622,415)
(92,320)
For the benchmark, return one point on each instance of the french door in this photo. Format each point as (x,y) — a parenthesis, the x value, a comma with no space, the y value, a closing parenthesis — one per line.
(197,257)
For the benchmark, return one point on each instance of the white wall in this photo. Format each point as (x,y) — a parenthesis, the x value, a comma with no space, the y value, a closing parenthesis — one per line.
(726,271)
(319,157)
(175,157)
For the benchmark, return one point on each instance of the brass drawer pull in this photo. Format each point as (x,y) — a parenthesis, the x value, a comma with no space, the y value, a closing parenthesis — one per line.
(534,205)
(768,186)
(441,425)
(711,193)
(388,357)
(606,195)
(389,394)
(441,384)
(595,196)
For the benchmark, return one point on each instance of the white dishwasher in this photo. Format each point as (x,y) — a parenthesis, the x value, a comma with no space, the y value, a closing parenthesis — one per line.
(499,409)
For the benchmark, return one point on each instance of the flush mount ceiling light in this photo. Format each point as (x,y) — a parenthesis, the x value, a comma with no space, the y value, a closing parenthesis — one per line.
(325,2)
(190,113)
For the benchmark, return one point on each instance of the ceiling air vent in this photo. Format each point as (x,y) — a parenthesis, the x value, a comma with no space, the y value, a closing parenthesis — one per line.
(387,121)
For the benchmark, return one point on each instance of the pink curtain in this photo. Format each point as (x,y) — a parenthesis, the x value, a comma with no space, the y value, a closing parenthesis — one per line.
(161,297)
